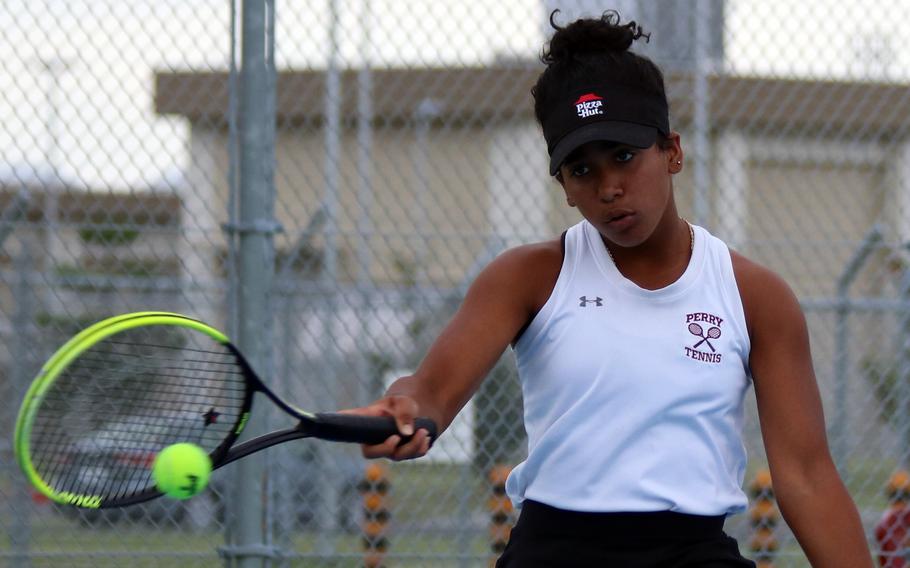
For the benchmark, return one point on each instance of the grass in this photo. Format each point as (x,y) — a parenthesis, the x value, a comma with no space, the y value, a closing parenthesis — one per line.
(438,519)
(57,541)
(426,529)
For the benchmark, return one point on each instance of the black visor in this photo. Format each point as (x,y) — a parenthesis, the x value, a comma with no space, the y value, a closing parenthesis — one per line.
(616,113)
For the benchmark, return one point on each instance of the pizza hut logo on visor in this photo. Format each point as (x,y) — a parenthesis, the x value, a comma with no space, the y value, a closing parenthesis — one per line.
(577,114)
(589,104)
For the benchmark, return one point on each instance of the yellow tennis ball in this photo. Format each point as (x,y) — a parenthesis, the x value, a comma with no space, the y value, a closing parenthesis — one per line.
(181,470)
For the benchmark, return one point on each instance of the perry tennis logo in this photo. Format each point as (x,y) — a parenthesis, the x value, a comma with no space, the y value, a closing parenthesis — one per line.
(705,328)
(589,104)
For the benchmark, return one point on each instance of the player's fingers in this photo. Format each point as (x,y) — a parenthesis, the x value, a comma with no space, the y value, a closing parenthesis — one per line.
(383,450)
(371,410)
(404,410)
(413,448)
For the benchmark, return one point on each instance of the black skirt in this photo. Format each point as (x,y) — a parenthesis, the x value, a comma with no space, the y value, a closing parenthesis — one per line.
(547,537)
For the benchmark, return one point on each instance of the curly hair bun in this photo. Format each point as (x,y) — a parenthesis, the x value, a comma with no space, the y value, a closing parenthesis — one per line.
(591,36)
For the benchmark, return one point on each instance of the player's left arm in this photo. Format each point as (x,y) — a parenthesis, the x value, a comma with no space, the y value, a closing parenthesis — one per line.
(811,495)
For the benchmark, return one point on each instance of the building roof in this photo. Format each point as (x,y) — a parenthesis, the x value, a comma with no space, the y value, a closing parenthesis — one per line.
(484,94)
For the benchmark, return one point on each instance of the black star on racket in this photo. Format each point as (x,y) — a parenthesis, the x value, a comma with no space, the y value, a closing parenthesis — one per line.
(211,417)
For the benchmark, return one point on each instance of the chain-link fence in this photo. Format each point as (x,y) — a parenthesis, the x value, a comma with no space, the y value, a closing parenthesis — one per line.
(139,170)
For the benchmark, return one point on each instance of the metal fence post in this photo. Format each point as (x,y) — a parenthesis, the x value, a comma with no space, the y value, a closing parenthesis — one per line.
(324,394)
(20,533)
(254,231)
(842,333)
(701,121)
(903,369)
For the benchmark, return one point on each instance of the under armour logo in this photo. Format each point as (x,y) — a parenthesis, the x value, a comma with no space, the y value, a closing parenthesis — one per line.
(584,301)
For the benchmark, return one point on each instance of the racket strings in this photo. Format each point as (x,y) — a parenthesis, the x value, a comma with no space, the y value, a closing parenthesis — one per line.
(163,346)
(106,416)
(158,358)
(202,387)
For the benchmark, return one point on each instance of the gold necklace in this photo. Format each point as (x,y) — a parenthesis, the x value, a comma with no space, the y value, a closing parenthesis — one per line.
(691,242)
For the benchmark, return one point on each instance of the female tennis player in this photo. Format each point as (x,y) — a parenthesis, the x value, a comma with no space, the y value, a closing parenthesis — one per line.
(637,335)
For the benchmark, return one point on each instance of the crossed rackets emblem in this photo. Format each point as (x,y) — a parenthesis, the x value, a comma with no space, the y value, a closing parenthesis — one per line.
(713,333)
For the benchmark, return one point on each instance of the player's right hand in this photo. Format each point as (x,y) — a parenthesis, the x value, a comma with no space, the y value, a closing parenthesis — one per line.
(406,445)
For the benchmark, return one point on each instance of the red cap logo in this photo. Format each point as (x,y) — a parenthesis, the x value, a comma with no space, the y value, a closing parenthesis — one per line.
(589,104)
(588,97)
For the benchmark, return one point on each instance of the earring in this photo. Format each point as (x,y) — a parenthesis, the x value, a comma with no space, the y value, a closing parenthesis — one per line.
(678,162)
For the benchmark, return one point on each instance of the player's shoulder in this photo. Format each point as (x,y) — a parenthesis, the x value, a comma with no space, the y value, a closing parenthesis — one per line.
(530,263)
(765,294)
(527,271)
(754,277)
(533,256)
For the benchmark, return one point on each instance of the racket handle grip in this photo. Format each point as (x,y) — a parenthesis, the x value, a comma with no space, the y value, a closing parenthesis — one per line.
(369,430)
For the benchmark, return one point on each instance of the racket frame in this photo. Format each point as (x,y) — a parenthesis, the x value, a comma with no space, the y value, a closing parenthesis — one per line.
(80,343)
(328,426)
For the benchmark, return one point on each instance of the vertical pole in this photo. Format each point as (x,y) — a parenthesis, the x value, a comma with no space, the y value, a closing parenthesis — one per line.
(20,517)
(427,110)
(732,177)
(285,477)
(326,480)
(701,118)
(233,173)
(232,298)
(271,225)
(842,344)
(364,148)
(332,145)
(54,248)
(256,225)
(903,370)
(841,360)
(365,228)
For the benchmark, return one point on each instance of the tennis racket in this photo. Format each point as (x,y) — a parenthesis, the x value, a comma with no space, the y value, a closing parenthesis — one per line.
(120,391)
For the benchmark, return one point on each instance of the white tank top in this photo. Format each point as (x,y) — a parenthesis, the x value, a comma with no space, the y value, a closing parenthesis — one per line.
(633,398)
